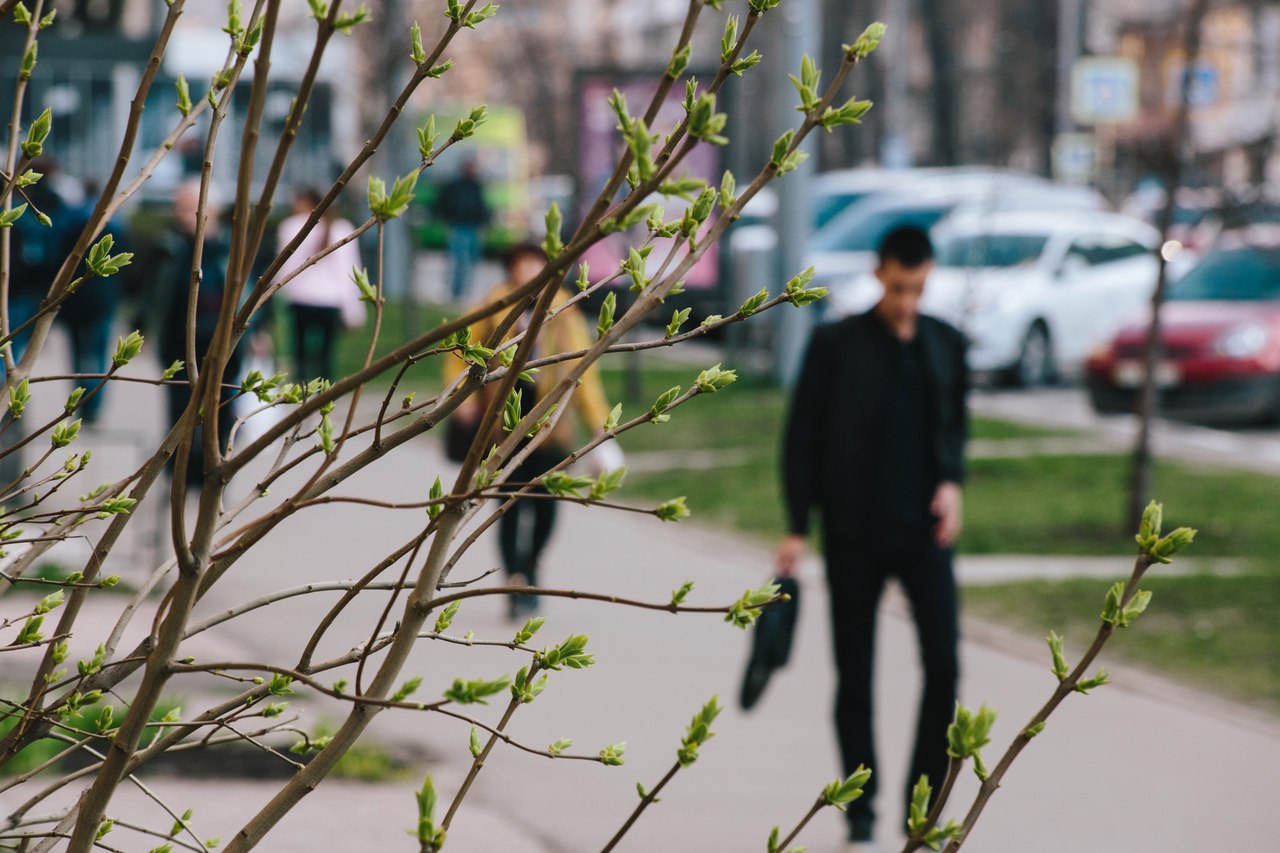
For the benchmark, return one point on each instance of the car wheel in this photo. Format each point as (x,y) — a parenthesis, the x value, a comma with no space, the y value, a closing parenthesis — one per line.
(1035,361)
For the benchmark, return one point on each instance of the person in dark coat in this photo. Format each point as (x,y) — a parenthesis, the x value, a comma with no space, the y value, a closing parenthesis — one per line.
(89,314)
(167,290)
(462,207)
(875,442)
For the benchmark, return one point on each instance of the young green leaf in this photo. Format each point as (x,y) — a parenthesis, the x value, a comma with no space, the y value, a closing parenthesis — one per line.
(436,493)
(9,217)
(698,733)
(407,689)
(476,692)
(615,414)
(65,433)
(445,619)
(678,319)
(526,632)
(37,133)
(611,756)
(713,379)
(1059,661)
(841,793)
(919,807)
(127,349)
(664,401)
(417,51)
(752,305)
(552,244)
(672,510)
(605,321)
(19,396)
(866,43)
(744,612)
(482,14)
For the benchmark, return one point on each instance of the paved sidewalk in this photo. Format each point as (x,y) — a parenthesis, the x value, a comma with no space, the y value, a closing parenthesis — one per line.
(1138,766)
(1126,769)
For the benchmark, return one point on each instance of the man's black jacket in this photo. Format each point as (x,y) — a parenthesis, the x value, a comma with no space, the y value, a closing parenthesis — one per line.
(837,409)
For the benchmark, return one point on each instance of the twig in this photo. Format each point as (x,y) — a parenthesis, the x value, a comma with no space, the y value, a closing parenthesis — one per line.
(646,801)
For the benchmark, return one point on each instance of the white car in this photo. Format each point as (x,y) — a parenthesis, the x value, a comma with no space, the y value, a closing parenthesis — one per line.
(845,247)
(1033,291)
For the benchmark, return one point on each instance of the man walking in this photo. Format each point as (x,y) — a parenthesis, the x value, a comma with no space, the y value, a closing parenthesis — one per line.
(875,441)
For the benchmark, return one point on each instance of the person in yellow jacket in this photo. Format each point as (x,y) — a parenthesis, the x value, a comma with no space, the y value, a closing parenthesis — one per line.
(526,528)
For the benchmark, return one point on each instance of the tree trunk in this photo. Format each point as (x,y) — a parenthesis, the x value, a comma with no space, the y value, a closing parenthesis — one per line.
(942,49)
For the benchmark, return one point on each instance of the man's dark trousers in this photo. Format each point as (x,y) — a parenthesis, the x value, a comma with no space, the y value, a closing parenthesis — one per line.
(856,574)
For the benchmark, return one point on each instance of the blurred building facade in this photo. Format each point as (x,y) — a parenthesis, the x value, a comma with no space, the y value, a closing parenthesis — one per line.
(93,57)
(983,79)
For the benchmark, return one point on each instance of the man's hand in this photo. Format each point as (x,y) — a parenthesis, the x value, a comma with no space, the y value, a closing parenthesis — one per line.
(468,413)
(946,508)
(790,550)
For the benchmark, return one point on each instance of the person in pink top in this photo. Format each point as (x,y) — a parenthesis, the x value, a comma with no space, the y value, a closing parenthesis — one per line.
(323,298)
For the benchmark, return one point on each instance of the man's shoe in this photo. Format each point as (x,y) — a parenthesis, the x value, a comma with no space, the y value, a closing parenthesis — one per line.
(861,828)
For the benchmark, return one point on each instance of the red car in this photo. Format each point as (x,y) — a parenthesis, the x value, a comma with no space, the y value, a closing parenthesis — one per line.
(1220,344)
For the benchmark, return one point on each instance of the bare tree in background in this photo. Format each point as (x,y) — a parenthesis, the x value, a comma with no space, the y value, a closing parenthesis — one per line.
(1174,163)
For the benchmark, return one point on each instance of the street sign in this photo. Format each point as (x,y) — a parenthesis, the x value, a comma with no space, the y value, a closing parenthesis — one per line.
(1104,89)
(1203,89)
(1074,158)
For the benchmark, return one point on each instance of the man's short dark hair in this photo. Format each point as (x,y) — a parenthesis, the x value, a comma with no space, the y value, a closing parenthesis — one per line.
(522,249)
(908,245)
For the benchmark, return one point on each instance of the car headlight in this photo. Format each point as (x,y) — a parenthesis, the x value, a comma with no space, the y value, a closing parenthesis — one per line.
(1243,341)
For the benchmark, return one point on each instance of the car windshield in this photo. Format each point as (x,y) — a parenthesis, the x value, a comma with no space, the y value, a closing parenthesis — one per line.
(991,250)
(862,230)
(827,205)
(1247,274)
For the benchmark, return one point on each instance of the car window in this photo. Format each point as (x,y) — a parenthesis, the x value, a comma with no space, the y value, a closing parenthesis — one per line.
(992,250)
(1247,274)
(862,230)
(1094,249)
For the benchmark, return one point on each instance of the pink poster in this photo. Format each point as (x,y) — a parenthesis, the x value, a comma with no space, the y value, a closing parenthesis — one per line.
(600,144)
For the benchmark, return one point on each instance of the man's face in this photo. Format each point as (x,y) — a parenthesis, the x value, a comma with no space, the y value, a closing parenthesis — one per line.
(186,208)
(903,287)
(525,267)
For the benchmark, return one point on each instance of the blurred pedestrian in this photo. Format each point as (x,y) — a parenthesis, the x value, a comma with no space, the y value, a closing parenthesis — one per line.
(168,290)
(323,298)
(875,440)
(36,251)
(526,528)
(89,315)
(462,207)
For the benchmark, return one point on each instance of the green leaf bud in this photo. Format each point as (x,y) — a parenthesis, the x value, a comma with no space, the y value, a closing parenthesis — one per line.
(866,43)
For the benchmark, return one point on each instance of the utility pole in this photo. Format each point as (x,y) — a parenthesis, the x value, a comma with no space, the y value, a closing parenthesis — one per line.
(895,148)
(1070,31)
(799,36)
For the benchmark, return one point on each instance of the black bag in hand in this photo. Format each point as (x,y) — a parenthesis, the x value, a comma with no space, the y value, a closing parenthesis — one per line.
(458,438)
(770,643)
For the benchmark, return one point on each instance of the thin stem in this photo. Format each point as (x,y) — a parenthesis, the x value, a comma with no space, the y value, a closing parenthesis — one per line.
(813,810)
(11,166)
(478,761)
(647,801)
(1066,687)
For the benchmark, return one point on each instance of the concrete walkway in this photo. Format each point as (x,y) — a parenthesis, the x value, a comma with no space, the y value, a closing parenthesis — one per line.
(1138,766)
